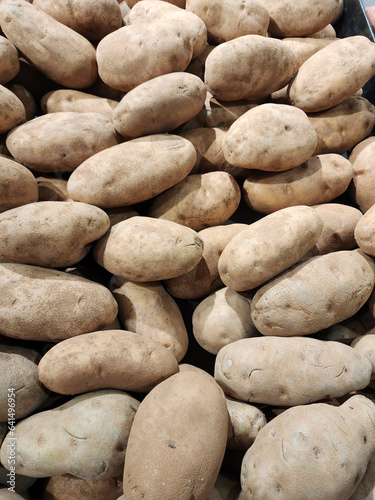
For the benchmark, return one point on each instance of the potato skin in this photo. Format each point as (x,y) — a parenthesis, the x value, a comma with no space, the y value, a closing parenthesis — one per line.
(69,305)
(118,359)
(346,277)
(26,26)
(17,185)
(362,159)
(12,110)
(268,247)
(320,179)
(294,459)
(71,488)
(236,69)
(331,369)
(245,423)
(182,426)
(305,47)
(147,108)
(364,232)
(10,64)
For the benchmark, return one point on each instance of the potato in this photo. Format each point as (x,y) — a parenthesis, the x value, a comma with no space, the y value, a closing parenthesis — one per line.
(331,370)
(245,423)
(71,488)
(40,37)
(237,70)
(10,64)
(27,99)
(365,345)
(315,294)
(147,309)
(199,201)
(19,382)
(17,185)
(289,18)
(224,114)
(328,31)
(362,159)
(305,47)
(153,49)
(316,87)
(159,105)
(236,18)
(247,144)
(134,171)
(115,359)
(85,437)
(160,249)
(60,142)
(339,222)
(295,458)
(69,305)
(334,126)
(177,441)
(320,179)
(222,318)
(91,21)
(268,247)
(204,277)
(119,214)
(364,232)
(12,110)
(51,233)
(366,488)
(149,11)
(51,189)
(75,100)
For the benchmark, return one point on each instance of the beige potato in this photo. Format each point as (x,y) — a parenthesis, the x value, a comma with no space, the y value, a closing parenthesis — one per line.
(316,294)
(366,488)
(120,213)
(320,179)
(305,47)
(245,423)
(153,49)
(271,137)
(339,222)
(364,232)
(342,127)
(69,305)
(12,110)
(51,233)
(295,458)
(147,309)
(204,277)
(224,114)
(75,100)
(71,488)
(115,359)
(159,249)
(222,318)
(361,187)
(365,344)
(134,171)
(27,99)
(237,70)
(10,64)
(21,392)
(160,104)
(328,31)
(40,38)
(331,369)
(268,247)
(91,21)
(230,19)
(85,437)
(17,185)
(52,189)
(316,87)
(199,201)
(289,18)
(60,142)
(177,441)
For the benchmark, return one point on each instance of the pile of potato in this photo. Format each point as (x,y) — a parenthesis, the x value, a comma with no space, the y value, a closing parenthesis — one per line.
(187,245)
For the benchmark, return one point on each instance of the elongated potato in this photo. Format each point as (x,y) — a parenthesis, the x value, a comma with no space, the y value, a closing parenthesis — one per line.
(320,179)
(69,305)
(247,142)
(331,369)
(17,185)
(268,247)
(159,105)
(305,47)
(315,294)
(69,487)
(10,64)
(316,87)
(364,232)
(365,344)
(132,172)
(59,142)
(148,310)
(12,110)
(159,249)
(360,189)
(199,200)
(41,38)
(177,441)
(236,69)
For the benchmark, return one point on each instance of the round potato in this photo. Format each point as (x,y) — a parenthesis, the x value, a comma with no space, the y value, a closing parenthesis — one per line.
(199,200)
(12,110)
(320,179)
(360,189)
(245,423)
(247,142)
(10,64)
(17,185)
(134,171)
(364,232)
(159,249)
(159,105)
